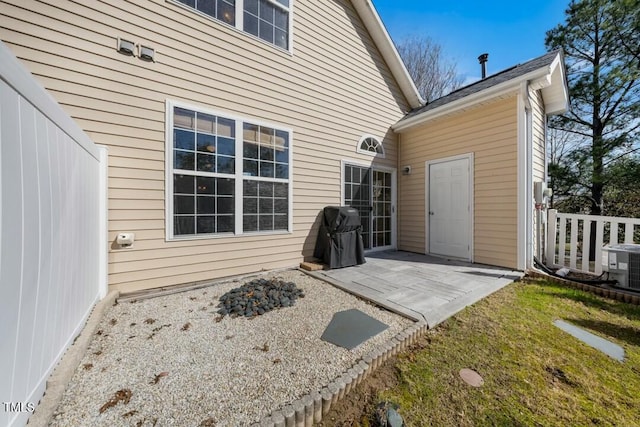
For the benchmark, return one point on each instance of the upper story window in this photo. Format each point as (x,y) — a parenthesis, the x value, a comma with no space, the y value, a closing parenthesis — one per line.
(269,20)
(223,10)
(370,145)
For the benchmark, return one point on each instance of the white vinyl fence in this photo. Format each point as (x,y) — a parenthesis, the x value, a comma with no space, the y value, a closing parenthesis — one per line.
(569,239)
(52,234)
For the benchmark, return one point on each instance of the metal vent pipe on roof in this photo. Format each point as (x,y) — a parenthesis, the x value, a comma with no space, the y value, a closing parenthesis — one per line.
(483,62)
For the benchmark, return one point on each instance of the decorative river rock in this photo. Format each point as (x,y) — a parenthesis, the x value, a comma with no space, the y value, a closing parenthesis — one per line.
(259,296)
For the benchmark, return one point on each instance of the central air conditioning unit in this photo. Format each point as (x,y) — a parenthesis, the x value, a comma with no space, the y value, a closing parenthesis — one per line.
(623,264)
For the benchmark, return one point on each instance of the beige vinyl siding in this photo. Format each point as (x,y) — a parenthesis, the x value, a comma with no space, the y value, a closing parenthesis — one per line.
(539,136)
(332,88)
(490,133)
(539,157)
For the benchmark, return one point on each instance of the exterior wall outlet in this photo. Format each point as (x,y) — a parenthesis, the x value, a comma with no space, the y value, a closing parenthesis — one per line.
(125,239)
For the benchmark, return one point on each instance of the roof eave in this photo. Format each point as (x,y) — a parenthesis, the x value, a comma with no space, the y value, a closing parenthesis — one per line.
(550,79)
(466,102)
(558,90)
(387,48)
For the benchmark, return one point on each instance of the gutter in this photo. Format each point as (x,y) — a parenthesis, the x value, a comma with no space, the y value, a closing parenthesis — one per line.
(541,77)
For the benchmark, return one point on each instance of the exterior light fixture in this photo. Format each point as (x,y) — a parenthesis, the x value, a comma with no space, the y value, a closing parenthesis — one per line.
(147,53)
(126,47)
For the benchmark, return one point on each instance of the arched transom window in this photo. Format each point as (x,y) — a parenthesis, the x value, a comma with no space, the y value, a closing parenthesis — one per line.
(370,145)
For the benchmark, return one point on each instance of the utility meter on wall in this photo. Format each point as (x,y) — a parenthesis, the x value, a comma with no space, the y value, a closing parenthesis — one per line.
(541,193)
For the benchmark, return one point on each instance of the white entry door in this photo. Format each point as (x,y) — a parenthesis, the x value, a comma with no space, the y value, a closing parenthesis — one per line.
(449,208)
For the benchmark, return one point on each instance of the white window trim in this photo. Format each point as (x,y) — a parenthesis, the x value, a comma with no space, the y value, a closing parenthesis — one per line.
(239,25)
(238,176)
(371,153)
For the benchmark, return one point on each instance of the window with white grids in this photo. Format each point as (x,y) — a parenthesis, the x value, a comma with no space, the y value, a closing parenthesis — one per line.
(226,175)
(370,145)
(269,20)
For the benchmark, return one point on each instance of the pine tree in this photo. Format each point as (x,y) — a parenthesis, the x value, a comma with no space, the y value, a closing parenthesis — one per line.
(601,42)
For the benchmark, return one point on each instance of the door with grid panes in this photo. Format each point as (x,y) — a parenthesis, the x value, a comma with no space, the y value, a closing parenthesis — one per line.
(371,191)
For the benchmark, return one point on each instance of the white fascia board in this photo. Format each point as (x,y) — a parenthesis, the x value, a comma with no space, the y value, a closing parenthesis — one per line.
(452,107)
(555,108)
(466,102)
(387,48)
(555,91)
(565,89)
(542,76)
(560,88)
(541,83)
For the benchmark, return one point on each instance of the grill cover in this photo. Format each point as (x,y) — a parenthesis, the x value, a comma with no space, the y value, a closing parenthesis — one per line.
(339,242)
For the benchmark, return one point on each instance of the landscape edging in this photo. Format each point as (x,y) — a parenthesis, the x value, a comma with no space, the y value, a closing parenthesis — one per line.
(308,410)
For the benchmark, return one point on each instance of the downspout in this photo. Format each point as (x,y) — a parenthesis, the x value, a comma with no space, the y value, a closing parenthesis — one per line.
(528,176)
(398,168)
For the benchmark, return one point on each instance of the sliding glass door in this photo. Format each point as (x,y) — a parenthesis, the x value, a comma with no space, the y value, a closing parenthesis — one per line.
(371,191)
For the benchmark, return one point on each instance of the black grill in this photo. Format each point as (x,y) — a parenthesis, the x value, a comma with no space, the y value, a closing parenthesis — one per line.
(339,241)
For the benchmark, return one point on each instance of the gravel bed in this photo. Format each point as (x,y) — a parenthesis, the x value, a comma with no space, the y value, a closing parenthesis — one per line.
(173,360)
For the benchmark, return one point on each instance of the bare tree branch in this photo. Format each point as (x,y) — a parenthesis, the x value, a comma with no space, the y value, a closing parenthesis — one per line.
(433,74)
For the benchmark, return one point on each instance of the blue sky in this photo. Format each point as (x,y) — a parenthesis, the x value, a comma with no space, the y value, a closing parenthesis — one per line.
(511,32)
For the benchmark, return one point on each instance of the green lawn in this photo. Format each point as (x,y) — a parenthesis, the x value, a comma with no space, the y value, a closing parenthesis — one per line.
(534,373)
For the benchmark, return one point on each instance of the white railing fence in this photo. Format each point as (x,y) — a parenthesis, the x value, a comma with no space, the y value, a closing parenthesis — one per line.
(569,238)
(52,236)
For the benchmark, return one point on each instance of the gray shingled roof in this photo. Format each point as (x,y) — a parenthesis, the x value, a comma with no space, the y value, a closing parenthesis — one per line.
(493,80)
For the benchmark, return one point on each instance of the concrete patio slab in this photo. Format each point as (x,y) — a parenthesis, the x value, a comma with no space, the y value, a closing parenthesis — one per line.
(421,287)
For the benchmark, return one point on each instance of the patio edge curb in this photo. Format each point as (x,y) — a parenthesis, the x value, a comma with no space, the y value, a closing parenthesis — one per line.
(63,372)
(312,407)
